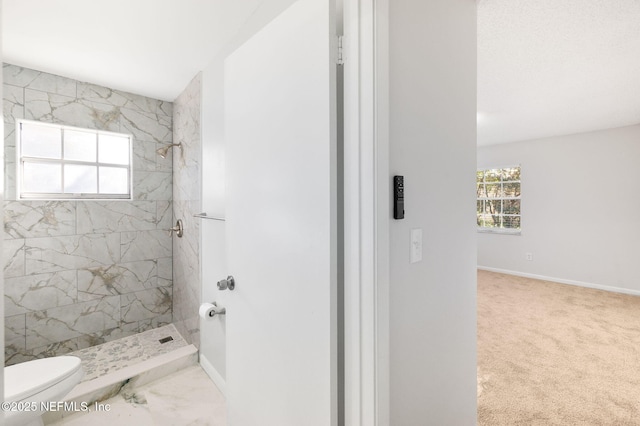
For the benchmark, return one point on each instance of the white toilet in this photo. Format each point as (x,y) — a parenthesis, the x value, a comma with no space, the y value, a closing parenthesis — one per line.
(33,382)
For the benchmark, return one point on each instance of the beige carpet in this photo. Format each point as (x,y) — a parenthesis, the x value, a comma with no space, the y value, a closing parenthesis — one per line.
(554,354)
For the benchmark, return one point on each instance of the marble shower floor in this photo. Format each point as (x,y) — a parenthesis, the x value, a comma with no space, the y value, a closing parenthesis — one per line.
(187,397)
(106,358)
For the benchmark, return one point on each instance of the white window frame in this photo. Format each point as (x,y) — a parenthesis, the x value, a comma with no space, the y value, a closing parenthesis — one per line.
(21,195)
(508,231)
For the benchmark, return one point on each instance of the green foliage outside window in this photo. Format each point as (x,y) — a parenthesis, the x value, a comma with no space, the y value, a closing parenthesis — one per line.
(498,195)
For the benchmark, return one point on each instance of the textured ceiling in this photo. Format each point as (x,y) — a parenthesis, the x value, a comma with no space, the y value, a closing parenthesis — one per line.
(149,47)
(545,67)
(556,67)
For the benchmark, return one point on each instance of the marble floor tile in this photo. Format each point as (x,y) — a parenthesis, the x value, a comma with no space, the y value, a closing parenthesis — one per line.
(187,397)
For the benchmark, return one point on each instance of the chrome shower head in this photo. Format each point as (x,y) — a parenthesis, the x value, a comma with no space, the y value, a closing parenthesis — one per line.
(162,152)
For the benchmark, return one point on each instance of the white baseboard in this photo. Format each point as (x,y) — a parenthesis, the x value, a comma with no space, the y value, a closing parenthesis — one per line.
(213,374)
(563,281)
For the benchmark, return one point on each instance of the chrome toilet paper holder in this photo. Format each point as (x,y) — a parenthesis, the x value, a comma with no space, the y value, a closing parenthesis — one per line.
(218,310)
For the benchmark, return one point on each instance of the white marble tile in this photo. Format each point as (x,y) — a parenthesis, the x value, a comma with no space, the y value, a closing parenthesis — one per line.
(39,292)
(93,283)
(64,323)
(187,397)
(144,155)
(155,322)
(15,332)
(145,245)
(13,103)
(165,271)
(54,108)
(32,79)
(54,254)
(120,412)
(46,351)
(30,219)
(18,76)
(115,216)
(56,239)
(165,164)
(13,253)
(53,349)
(164,215)
(186,203)
(9,161)
(146,304)
(92,92)
(146,126)
(186,296)
(152,186)
(186,302)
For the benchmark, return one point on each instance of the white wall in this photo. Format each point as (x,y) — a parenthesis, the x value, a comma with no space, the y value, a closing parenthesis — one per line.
(432,69)
(580,209)
(213,254)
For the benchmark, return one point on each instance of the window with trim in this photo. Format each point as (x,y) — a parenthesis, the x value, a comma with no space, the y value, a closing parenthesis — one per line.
(63,162)
(498,205)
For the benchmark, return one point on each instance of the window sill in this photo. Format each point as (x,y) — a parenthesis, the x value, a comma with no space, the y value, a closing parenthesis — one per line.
(499,231)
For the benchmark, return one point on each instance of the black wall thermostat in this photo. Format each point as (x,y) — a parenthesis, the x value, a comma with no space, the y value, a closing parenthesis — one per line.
(398,197)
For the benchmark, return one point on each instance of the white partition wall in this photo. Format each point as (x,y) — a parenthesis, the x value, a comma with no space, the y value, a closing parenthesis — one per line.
(432,90)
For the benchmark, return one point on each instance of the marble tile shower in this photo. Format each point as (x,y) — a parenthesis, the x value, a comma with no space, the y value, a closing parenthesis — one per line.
(80,273)
(187,202)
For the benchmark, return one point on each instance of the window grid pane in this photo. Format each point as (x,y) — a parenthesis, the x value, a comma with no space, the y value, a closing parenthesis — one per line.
(73,170)
(498,198)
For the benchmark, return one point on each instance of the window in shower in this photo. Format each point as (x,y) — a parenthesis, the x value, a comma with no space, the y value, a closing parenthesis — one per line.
(63,162)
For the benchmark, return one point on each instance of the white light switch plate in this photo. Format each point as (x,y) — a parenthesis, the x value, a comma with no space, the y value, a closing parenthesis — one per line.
(416,245)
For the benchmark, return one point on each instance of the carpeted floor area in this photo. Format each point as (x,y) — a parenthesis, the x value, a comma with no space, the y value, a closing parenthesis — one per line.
(555,354)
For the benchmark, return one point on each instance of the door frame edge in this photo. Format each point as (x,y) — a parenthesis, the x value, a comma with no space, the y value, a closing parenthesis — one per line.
(367,212)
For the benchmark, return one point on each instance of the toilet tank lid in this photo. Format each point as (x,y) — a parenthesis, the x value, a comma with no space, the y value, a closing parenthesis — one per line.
(28,378)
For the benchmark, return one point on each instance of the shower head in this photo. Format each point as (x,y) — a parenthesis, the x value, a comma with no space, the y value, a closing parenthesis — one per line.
(162,152)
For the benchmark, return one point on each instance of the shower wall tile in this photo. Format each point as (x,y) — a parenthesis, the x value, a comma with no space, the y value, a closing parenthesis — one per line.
(16,356)
(68,264)
(147,126)
(66,322)
(73,252)
(110,216)
(9,161)
(40,292)
(52,349)
(152,185)
(144,245)
(144,157)
(102,336)
(92,92)
(165,272)
(165,164)
(53,108)
(18,76)
(155,322)
(147,304)
(117,279)
(14,333)
(164,215)
(186,203)
(30,219)
(38,80)
(13,254)
(13,103)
